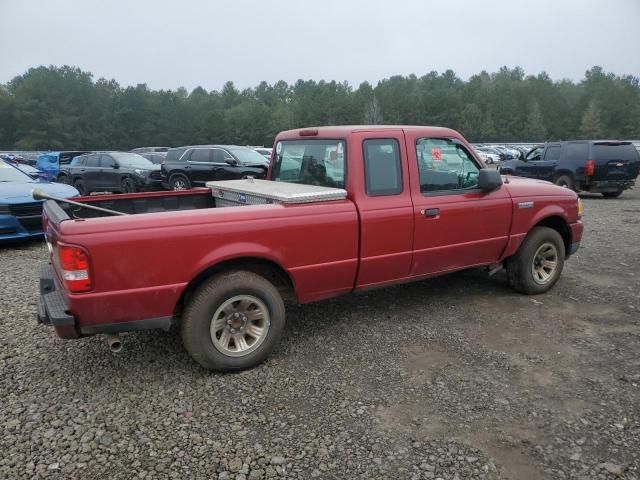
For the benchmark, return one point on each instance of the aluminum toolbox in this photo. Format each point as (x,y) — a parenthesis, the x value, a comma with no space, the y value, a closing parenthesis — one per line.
(231,193)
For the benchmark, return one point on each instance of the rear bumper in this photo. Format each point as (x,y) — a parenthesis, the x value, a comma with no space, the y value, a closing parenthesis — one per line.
(599,186)
(53,310)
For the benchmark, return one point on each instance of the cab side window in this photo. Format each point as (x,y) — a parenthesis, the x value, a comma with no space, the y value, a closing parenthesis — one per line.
(200,155)
(92,161)
(445,166)
(553,152)
(535,154)
(382,167)
(106,161)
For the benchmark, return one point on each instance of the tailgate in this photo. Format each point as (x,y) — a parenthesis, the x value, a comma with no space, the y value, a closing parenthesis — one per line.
(616,161)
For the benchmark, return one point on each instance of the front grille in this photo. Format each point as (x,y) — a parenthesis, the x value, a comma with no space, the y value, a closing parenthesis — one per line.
(25,209)
(156,176)
(29,215)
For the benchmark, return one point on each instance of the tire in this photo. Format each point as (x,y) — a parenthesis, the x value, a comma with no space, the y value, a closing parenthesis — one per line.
(179,182)
(80,186)
(612,194)
(220,298)
(565,181)
(63,179)
(525,273)
(128,185)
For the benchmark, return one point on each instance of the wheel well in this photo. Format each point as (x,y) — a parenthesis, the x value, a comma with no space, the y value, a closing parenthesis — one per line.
(560,225)
(560,173)
(271,271)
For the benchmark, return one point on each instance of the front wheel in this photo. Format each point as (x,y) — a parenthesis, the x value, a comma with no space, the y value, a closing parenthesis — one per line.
(128,186)
(538,263)
(615,194)
(233,321)
(80,186)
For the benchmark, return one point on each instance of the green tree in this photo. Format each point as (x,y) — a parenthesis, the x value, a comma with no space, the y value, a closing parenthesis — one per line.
(535,128)
(591,125)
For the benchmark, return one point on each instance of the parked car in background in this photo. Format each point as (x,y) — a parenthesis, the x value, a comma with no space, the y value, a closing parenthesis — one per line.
(50,162)
(124,172)
(264,151)
(490,156)
(191,166)
(149,149)
(20,214)
(33,172)
(598,166)
(155,157)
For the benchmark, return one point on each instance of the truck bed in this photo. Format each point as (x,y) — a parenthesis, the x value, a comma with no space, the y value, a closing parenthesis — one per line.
(136,203)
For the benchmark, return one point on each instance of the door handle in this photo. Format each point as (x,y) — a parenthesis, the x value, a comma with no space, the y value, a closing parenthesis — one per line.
(431,212)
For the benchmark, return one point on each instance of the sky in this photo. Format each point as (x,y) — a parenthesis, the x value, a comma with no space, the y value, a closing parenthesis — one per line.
(171,43)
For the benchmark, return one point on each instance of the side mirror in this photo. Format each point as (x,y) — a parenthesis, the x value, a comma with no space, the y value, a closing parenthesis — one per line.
(115,165)
(231,161)
(489,180)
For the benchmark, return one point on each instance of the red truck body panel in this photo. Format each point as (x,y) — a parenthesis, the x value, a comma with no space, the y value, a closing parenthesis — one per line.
(141,264)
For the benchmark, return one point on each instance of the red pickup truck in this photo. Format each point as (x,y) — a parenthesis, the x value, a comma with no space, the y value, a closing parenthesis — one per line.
(394,204)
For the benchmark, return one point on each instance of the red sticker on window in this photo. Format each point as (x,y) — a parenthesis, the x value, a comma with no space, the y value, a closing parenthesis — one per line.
(436,154)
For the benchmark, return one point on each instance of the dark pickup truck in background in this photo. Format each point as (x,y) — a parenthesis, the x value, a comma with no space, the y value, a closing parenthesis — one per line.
(346,209)
(604,166)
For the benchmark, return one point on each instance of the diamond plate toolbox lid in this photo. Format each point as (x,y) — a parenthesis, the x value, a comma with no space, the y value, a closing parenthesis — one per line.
(281,192)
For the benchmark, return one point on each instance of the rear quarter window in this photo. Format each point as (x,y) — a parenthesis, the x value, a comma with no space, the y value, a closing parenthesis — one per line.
(174,154)
(576,151)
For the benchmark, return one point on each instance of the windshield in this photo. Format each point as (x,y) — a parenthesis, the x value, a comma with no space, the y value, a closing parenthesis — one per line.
(132,160)
(312,162)
(246,155)
(10,174)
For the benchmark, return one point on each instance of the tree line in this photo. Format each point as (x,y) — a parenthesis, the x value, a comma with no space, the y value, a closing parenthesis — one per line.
(65,108)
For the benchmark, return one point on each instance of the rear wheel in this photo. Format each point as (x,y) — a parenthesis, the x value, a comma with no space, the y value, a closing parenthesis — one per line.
(612,194)
(179,182)
(565,181)
(538,263)
(233,321)
(80,186)
(128,185)
(64,179)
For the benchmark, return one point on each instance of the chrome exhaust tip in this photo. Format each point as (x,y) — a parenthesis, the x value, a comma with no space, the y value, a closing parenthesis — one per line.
(114,342)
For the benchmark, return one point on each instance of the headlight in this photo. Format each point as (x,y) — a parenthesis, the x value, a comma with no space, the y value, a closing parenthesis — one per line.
(140,172)
(580,208)
(4,209)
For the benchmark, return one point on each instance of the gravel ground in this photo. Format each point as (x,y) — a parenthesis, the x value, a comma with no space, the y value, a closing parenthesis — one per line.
(453,378)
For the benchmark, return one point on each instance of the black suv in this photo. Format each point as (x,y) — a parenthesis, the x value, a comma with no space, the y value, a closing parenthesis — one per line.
(598,166)
(111,172)
(186,167)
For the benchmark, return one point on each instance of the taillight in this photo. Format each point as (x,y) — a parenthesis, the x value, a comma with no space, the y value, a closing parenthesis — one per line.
(74,263)
(590,168)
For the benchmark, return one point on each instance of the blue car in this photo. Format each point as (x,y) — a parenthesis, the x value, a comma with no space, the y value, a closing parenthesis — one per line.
(50,162)
(20,214)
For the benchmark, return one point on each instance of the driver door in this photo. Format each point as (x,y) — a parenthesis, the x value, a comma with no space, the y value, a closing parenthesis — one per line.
(529,166)
(456,225)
